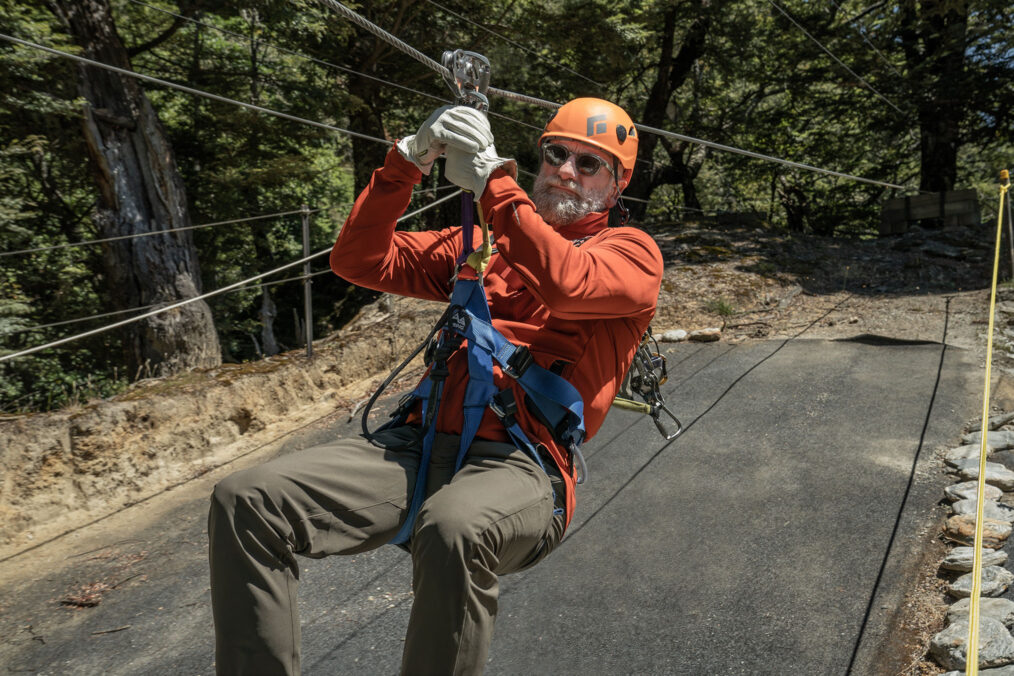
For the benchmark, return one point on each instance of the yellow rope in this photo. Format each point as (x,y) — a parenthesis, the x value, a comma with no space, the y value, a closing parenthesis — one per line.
(631,405)
(479,259)
(972,659)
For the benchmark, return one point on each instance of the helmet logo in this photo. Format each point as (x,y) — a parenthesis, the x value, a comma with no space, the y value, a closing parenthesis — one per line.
(596,125)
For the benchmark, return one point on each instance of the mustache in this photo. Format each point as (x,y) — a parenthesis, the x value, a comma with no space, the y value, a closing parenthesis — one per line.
(570,184)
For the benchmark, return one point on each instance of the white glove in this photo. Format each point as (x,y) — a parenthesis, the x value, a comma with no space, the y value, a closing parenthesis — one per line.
(471,170)
(448,127)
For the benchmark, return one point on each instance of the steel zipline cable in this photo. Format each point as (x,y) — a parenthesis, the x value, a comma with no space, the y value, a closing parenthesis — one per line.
(435,65)
(216,292)
(327,64)
(422,58)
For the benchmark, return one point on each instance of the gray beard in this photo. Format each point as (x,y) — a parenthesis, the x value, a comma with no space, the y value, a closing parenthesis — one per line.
(559,209)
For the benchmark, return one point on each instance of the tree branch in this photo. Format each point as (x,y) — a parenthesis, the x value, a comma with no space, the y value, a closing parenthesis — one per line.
(872,8)
(178,21)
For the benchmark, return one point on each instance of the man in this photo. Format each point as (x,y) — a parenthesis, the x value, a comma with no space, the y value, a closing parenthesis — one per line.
(578,294)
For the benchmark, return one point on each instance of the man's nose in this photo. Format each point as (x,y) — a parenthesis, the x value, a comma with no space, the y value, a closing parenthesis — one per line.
(568,170)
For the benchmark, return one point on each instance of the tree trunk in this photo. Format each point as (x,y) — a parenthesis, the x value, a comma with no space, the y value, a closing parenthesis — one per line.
(671,72)
(262,247)
(268,313)
(934,38)
(141,191)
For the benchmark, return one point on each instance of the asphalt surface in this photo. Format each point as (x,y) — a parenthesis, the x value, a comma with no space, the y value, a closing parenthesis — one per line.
(778,534)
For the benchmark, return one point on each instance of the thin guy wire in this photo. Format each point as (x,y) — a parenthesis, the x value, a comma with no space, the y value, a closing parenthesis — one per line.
(295,279)
(327,63)
(759,156)
(290,52)
(411,51)
(239,220)
(151,232)
(216,292)
(512,42)
(839,61)
(190,90)
(78,320)
(862,34)
(202,225)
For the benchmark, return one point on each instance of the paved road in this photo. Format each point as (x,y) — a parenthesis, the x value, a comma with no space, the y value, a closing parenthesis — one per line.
(778,533)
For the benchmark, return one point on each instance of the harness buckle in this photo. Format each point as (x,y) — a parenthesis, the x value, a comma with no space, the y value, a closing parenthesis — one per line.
(519,362)
(404,405)
(504,406)
(442,347)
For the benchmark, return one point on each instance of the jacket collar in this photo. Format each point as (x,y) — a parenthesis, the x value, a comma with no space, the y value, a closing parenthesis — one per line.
(585,227)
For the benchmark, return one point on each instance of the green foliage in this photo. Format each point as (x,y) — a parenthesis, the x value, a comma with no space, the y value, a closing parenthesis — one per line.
(720,307)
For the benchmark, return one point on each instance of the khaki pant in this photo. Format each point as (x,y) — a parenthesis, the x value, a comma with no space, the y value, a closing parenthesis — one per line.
(494,516)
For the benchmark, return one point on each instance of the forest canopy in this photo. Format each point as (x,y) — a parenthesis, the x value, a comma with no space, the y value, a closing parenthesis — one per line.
(913,93)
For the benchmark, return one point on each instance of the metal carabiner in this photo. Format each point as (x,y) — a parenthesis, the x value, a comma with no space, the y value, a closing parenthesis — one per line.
(656,417)
(579,464)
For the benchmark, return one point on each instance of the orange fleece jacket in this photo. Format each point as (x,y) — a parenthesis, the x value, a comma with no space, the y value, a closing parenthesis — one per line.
(583,303)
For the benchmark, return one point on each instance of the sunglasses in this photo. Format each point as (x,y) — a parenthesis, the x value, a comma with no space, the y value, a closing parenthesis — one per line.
(587,164)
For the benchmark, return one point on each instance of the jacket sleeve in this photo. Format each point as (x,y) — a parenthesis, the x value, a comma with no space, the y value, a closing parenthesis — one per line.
(614,276)
(370,253)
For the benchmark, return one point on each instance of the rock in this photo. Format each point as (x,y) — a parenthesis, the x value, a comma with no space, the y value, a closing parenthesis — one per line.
(995,581)
(996,645)
(996,421)
(996,474)
(705,335)
(960,559)
(954,456)
(1002,392)
(999,440)
(674,336)
(999,671)
(1001,610)
(961,528)
(968,490)
(1005,458)
(942,250)
(990,509)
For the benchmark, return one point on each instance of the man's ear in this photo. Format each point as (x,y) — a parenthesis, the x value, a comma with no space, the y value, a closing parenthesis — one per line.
(625,179)
(621,185)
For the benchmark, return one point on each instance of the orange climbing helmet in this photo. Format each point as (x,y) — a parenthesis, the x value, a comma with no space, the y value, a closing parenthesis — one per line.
(598,123)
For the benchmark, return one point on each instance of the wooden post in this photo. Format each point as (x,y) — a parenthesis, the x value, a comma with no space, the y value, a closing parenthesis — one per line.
(951,208)
(307,296)
(1005,180)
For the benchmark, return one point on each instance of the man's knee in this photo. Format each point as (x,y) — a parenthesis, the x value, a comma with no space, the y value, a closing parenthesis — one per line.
(444,527)
(241,493)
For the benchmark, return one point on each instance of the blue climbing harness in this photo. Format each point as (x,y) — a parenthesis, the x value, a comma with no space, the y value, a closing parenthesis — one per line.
(548,397)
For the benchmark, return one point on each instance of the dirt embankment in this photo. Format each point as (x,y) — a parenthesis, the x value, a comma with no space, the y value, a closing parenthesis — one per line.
(64,469)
